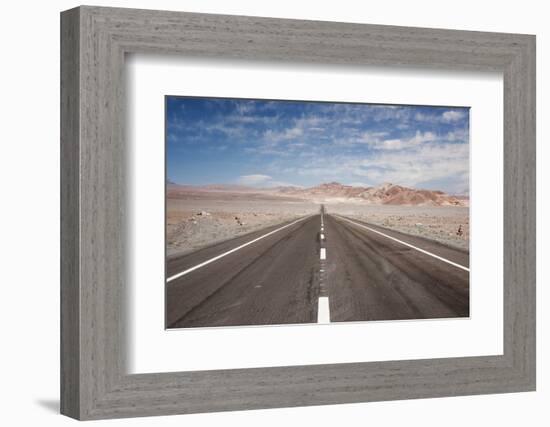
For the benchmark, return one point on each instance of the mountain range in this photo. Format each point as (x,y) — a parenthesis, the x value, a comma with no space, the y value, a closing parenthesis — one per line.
(332,192)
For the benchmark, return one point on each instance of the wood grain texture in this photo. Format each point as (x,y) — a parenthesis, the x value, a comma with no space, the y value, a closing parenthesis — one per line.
(70,314)
(94,271)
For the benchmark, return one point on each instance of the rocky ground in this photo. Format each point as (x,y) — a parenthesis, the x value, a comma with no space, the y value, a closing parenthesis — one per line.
(198,220)
(439,223)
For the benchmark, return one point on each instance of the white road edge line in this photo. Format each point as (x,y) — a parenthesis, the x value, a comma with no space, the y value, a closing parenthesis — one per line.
(323,310)
(323,254)
(406,244)
(202,264)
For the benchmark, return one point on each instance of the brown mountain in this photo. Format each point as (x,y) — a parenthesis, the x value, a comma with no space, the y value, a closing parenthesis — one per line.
(334,192)
(387,194)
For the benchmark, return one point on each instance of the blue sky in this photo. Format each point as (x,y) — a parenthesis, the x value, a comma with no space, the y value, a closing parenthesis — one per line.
(271,143)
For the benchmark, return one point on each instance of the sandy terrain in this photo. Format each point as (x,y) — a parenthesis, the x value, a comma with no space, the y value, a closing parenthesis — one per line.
(439,223)
(198,219)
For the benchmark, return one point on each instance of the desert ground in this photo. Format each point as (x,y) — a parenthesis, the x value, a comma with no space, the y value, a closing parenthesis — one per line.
(439,223)
(197,218)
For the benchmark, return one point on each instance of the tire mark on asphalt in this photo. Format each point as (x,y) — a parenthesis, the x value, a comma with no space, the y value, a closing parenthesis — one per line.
(449,296)
(369,265)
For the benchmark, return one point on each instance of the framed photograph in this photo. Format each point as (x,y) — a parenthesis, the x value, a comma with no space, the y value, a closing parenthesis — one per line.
(263,213)
(287,210)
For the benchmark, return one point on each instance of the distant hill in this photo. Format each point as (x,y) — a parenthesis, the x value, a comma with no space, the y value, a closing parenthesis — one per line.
(385,194)
(210,187)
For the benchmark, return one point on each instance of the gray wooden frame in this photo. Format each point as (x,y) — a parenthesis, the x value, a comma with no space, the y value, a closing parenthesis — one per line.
(94,41)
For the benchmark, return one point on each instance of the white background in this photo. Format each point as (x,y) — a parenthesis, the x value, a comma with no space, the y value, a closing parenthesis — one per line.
(153,349)
(29,168)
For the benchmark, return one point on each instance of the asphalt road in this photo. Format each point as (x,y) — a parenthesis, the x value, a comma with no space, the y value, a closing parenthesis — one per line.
(321,268)
(372,277)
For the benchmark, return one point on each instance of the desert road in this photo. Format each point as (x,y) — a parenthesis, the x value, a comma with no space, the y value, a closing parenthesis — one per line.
(318,269)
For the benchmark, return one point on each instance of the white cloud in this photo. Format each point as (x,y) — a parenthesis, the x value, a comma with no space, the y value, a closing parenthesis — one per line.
(371,138)
(452,116)
(221,126)
(261,181)
(394,113)
(400,143)
(301,127)
(436,165)
(376,140)
(253,180)
(458,135)
(245,107)
(421,117)
(373,135)
(449,116)
(284,135)
(427,163)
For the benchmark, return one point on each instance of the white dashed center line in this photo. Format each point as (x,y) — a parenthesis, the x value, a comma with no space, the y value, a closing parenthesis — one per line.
(323,308)
(323,311)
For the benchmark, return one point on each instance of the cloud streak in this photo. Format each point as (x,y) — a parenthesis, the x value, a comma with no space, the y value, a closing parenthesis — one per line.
(261,181)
